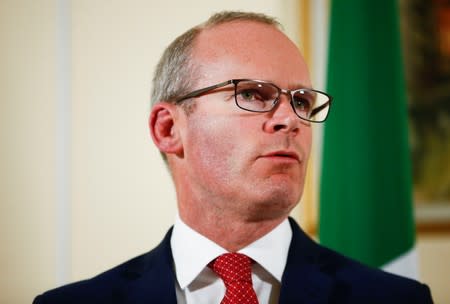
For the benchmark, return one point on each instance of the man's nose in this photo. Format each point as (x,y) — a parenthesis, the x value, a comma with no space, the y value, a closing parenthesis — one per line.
(282,117)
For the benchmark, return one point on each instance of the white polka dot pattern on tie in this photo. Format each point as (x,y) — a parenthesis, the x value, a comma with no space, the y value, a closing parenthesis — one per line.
(236,272)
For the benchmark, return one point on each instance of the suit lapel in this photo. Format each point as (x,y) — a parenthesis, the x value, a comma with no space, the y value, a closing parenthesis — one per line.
(151,278)
(305,279)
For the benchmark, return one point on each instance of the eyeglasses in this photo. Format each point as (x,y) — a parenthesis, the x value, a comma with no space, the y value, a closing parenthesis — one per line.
(262,96)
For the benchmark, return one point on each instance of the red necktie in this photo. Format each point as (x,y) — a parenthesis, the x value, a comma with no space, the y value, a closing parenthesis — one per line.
(235,271)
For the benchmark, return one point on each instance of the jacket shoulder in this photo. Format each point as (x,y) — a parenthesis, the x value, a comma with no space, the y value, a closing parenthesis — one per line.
(99,289)
(373,285)
(117,284)
(350,281)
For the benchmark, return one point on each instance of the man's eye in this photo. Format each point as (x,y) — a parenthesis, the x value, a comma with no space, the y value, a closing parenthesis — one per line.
(303,104)
(249,95)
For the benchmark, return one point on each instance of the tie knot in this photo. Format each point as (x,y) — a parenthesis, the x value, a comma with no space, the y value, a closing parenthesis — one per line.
(233,267)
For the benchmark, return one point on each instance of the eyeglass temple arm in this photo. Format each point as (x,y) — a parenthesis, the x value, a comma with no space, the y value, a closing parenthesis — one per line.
(319,108)
(204,90)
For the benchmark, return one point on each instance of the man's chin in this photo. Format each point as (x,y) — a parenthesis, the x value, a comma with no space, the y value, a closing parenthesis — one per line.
(276,205)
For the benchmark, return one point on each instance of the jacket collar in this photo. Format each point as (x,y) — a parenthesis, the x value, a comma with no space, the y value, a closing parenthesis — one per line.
(307,277)
(151,277)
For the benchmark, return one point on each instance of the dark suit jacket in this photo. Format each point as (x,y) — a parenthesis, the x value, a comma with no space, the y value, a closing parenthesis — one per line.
(313,274)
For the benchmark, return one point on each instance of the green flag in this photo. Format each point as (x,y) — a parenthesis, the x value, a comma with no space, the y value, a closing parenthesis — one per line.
(365,196)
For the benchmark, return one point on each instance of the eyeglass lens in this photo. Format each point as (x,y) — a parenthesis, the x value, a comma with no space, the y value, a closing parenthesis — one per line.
(262,97)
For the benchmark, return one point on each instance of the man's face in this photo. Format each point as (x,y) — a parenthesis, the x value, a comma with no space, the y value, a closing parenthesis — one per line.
(240,163)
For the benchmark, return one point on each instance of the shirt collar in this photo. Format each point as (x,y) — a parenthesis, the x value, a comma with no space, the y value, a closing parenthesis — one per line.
(270,251)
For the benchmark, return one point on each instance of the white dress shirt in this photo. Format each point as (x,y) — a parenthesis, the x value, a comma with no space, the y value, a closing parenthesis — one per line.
(198,284)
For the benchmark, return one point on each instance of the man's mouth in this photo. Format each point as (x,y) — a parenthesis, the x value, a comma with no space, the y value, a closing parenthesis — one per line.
(283,154)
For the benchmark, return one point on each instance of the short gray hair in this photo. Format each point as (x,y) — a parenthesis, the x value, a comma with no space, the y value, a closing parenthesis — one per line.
(175,74)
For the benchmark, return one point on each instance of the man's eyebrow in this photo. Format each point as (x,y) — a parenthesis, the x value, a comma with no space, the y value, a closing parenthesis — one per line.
(298,85)
(291,85)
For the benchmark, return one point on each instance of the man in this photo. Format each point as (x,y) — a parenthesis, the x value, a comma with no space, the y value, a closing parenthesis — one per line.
(232,114)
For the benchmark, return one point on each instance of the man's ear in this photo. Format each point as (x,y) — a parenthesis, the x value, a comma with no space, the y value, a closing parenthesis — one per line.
(164,130)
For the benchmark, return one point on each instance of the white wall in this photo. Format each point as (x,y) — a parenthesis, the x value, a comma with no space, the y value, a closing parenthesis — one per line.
(27,162)
(434,264)
(82,186)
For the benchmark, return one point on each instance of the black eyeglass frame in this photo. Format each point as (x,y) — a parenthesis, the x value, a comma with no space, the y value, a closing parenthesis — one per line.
(291,93)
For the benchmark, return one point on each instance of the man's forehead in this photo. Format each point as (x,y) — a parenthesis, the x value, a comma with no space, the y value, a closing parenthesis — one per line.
(237,33)
(249,49)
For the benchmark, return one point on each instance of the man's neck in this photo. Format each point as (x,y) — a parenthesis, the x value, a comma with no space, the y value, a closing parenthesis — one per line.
(232,235)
